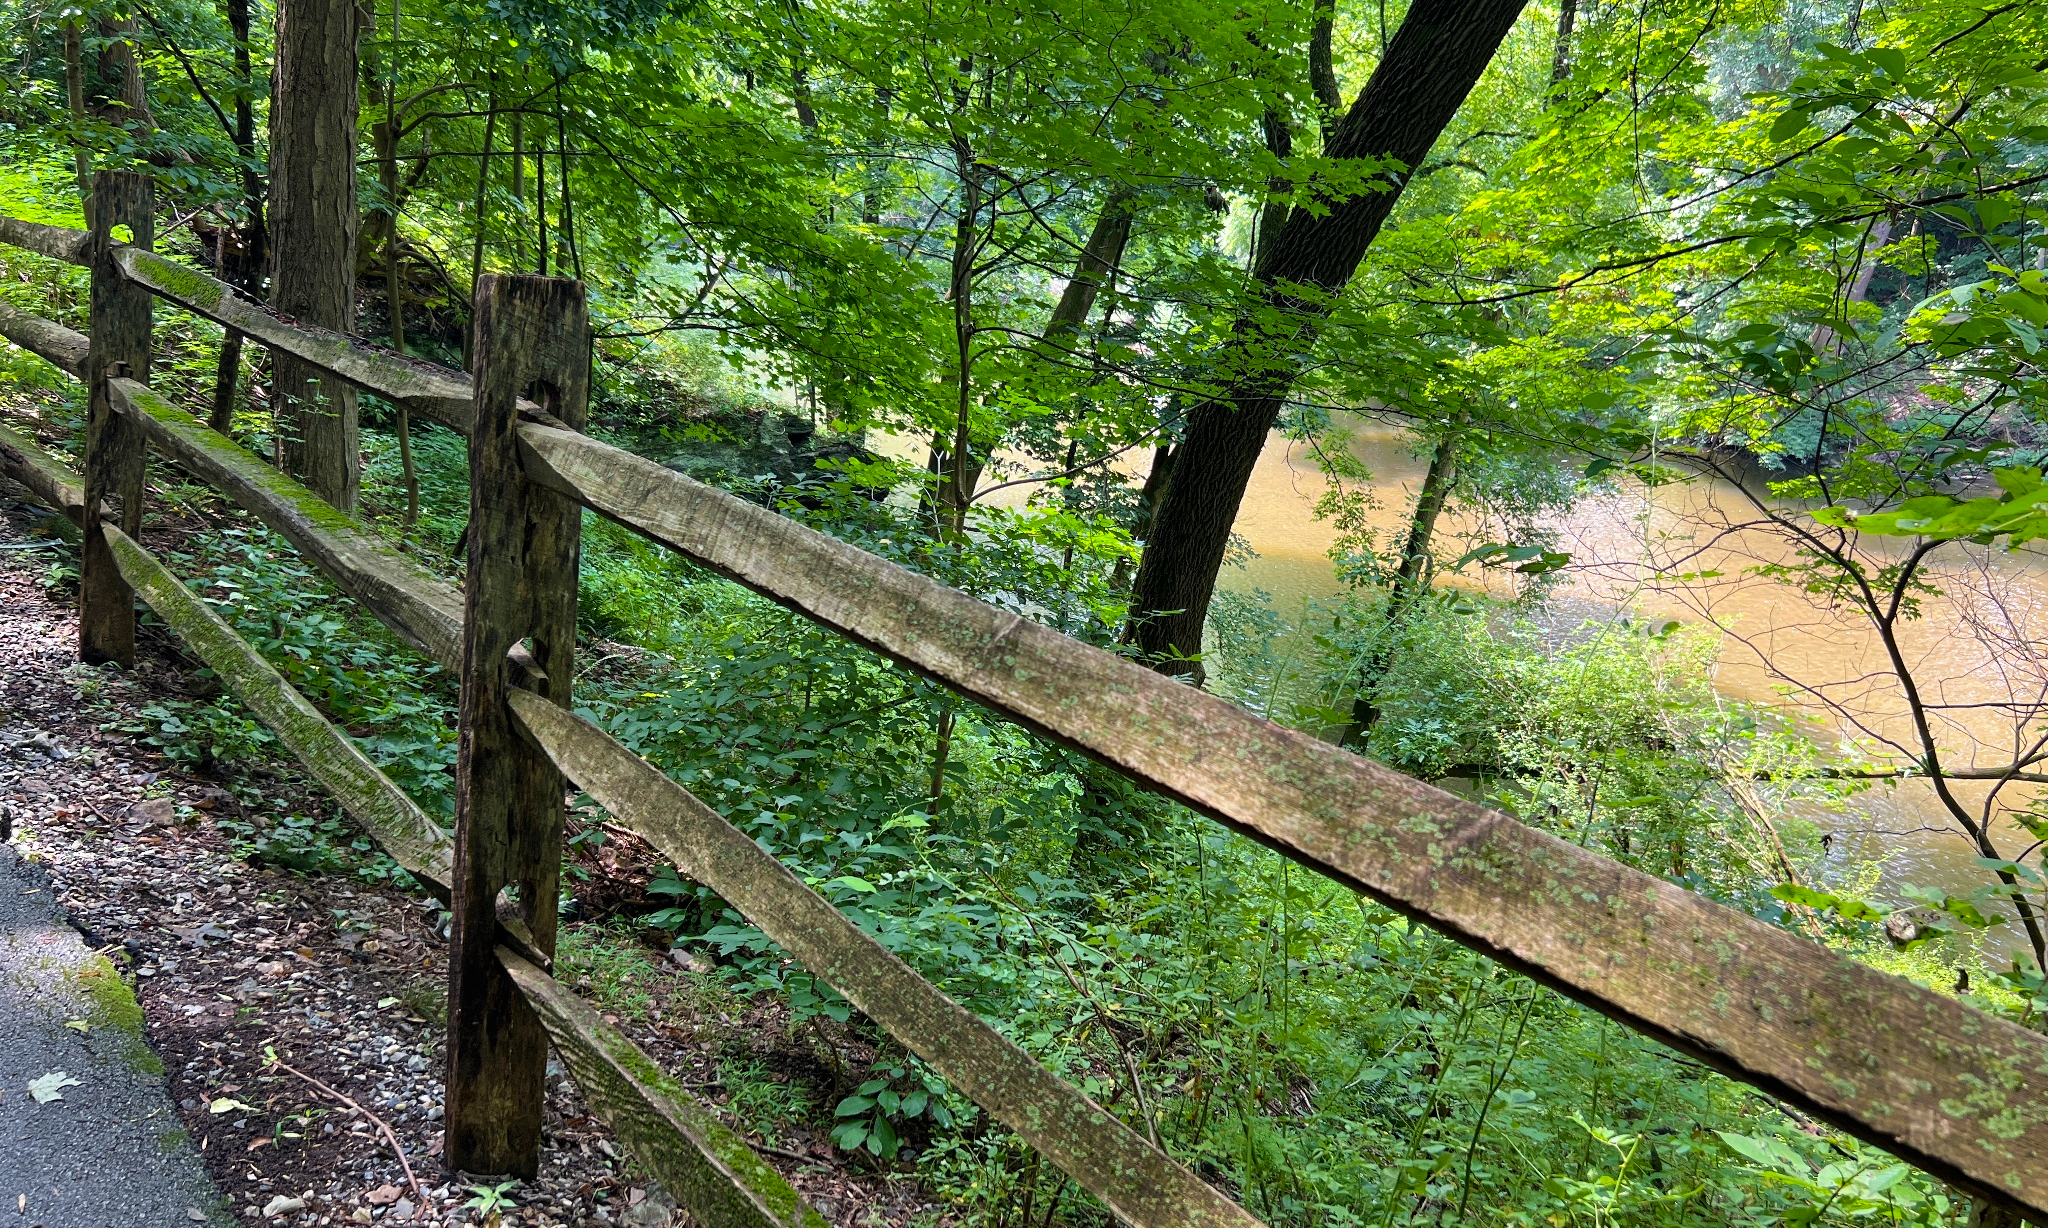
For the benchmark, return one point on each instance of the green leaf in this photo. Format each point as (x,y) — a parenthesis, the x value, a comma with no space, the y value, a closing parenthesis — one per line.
(882,1138)
(1847,909)
(2017,480)
(849,1135)
(1790,124)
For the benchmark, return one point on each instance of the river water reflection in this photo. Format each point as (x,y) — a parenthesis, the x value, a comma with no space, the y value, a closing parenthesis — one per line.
(1980,648)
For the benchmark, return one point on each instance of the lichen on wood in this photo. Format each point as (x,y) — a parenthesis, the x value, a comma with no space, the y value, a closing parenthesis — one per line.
(405,831)
(56,242)
(25,460)
(420,606)
(1139,1182)
(519,587)
(61,347)
(709,1169)
(435,392)
(1938,1083)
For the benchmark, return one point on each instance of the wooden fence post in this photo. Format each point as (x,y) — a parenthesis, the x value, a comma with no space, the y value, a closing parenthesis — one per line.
(115,449)
(532,339)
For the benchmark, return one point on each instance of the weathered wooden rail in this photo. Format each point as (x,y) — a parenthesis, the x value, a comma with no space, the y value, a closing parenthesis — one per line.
(1938,1083)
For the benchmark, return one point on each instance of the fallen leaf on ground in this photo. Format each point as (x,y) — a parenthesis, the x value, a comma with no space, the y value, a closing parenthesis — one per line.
(227,1104)
(382,1196)
(51,1086)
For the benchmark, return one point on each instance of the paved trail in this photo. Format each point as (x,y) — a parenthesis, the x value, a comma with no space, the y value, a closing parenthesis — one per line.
(111,1153)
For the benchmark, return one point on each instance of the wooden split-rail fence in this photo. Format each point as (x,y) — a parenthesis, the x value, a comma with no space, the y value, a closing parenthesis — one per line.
(1957,1092)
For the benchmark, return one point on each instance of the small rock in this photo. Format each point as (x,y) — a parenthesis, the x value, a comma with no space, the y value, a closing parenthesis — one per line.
(157,810)
(651,1208)
(404,1209)
(282,1205)
(195,1215)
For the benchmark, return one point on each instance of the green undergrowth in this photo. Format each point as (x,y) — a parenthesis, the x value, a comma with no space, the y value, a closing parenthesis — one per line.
(1321,1058)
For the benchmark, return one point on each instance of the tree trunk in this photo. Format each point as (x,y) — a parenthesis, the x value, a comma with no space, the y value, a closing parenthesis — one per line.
(1273,213)
(518,188)
(1094,267)
(1434,60)
(565,221)
(118,68)
(394,283)
(74,96)
(1825,339)
(1153,492)
(1322,65)
(966,473)
(1561,51)
(244,247)
(483,187)
(800,94)
(873,169)
(540,205)
(313,216)
(1437,483)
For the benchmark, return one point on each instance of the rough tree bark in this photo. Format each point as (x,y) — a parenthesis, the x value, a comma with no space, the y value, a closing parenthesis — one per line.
(74,97)
(1434,60)
(120,71)
(245,247)
(1322,66)
(313,224)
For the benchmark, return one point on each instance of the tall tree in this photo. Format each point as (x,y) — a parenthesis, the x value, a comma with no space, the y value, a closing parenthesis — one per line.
(313,232)
(1435,58)
(244,245)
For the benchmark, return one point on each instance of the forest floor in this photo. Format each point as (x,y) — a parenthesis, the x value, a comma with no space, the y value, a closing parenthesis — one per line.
(298,1017)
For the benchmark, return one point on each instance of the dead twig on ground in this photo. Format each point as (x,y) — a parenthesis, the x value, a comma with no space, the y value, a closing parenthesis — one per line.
(390,1135)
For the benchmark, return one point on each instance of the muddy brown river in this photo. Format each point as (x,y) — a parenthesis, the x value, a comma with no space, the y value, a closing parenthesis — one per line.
(1979,650)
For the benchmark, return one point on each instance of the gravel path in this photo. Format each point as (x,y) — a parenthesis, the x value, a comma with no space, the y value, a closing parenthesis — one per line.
(243,975)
